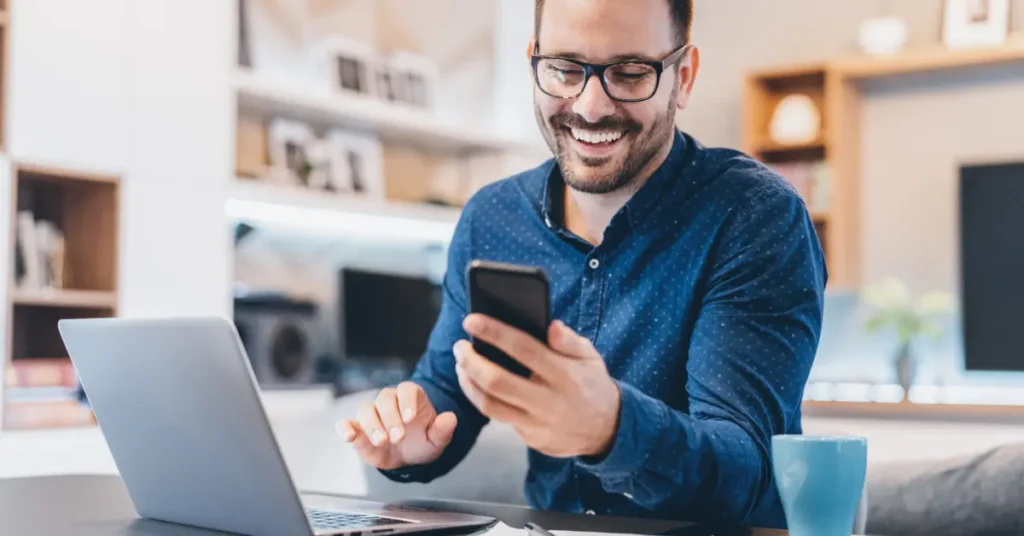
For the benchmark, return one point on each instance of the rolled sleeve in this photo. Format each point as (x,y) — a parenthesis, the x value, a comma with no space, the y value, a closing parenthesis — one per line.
(642,422)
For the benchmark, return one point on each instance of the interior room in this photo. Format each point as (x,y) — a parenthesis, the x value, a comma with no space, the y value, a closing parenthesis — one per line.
(299,167)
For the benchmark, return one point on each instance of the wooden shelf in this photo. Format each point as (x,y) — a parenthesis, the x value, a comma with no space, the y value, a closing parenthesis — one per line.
(927,60)
(71,299)
(912,410)
(84,209)
(398,123)
(768,146)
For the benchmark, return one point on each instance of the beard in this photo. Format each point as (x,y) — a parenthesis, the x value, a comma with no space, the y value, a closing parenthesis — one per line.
(642,146)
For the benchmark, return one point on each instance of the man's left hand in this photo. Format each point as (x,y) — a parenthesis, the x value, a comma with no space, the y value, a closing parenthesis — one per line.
(568,407)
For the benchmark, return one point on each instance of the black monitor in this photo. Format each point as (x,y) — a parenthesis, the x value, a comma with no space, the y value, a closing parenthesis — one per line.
(992,266)
(387,316)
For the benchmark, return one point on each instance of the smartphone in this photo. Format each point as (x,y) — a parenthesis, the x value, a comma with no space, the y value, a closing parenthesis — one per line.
(516,295)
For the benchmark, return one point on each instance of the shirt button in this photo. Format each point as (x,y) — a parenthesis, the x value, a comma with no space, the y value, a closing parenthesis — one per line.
(628,496)
(594,264)
(591,513)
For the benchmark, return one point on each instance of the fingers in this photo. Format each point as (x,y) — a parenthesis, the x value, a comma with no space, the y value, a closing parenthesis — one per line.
(565,341)
(489,406)
(522,347)
(370,422)
(442,429)
(390,417)
(352,432)
(495,380)
(412,402)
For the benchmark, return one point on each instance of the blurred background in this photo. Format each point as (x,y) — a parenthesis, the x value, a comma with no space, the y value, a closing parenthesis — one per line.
(298,166)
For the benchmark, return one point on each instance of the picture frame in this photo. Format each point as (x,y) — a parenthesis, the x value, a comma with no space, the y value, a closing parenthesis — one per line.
(288,147)
(975,23)
(412,79)
(352,66)
(356,163)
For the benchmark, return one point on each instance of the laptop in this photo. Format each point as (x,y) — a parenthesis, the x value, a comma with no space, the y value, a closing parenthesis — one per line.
(179,406)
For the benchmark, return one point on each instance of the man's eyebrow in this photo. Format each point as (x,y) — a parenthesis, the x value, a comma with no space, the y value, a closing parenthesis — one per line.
(633,56)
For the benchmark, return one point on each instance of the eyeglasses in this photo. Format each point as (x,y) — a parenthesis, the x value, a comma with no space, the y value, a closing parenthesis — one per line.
(624,81)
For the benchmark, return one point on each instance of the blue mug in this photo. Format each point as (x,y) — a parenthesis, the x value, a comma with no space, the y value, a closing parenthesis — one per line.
(820,481)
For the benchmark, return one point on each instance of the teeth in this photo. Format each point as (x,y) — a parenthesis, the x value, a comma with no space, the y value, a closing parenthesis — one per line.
(590,136)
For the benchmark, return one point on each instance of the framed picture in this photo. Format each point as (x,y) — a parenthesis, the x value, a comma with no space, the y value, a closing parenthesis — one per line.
(976,23)
(413,79)
(356,163)
(351,65)
(289,142)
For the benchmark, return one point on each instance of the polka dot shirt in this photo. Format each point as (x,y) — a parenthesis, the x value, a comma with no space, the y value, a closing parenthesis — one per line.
(704,298)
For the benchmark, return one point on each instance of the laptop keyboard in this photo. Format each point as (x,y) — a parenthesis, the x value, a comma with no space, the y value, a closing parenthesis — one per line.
(334,520)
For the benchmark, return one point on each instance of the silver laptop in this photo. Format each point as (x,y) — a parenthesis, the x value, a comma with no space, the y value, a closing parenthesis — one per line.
(178,404)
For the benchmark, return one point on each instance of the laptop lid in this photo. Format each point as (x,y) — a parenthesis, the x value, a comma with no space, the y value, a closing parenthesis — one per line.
(178,404)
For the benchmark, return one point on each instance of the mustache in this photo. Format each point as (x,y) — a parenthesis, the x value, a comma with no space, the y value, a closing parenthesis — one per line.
(573,120)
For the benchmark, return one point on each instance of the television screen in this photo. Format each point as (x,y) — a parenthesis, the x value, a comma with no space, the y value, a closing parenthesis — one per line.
(992,266)
(387,316)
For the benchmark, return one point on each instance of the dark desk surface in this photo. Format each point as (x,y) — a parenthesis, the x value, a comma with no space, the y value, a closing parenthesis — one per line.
(87,505)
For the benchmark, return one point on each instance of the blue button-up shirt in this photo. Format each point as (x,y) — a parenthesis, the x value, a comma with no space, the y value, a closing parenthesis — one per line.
(704,298)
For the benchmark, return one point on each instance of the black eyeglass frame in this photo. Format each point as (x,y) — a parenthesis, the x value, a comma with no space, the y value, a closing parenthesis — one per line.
(591,69)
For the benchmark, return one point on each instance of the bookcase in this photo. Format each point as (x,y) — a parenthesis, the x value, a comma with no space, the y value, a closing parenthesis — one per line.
(64,248)
(827,170)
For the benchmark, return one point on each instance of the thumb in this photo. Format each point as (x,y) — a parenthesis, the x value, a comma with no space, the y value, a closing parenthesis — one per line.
(442,429)
(565,341)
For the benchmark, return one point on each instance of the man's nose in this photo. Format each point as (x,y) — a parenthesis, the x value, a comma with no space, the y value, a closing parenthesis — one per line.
(594,104)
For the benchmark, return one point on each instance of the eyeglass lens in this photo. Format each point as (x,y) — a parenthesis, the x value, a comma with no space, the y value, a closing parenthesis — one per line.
(626,81)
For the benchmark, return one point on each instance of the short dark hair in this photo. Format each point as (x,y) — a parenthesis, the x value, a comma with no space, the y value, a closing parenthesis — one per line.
(682,19)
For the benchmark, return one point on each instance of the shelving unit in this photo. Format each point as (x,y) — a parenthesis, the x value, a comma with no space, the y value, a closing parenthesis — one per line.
(45,287)
(835,89)
(392,122)
(316,212)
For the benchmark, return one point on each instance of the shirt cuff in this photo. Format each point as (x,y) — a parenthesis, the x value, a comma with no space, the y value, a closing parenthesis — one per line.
(641,423)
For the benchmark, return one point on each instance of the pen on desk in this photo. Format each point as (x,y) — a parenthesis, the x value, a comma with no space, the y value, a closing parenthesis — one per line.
(536,530)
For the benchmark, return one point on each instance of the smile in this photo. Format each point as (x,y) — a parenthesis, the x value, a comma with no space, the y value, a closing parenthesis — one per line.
(596,137)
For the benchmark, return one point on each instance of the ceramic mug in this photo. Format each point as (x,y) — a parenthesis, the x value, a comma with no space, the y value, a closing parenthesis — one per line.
(820,480)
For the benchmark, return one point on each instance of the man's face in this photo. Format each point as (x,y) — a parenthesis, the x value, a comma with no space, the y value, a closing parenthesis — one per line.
(601,145)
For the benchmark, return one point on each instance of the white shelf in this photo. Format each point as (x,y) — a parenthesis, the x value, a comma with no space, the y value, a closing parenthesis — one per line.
(297,207)
(392,122)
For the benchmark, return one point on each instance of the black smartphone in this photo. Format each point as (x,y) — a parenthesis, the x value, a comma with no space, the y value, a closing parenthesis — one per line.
(516,295)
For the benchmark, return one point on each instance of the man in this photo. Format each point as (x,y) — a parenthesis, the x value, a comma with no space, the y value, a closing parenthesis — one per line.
(687,288)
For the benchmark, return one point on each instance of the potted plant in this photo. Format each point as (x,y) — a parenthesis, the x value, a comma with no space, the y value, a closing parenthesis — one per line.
(897,310)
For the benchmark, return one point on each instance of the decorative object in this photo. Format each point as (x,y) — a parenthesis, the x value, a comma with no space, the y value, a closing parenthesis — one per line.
(976,23)
(883,35)
(356,163)
(795,120)
(352,65)
(289,142)
(897,310)
(411,79)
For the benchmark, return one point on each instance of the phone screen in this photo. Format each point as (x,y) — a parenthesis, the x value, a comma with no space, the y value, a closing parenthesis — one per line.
(519,299)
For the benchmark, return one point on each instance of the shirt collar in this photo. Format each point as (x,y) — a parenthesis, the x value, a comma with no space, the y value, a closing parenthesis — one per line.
(639,206)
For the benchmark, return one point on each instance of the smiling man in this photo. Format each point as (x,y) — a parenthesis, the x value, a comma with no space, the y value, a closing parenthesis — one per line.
(687,283)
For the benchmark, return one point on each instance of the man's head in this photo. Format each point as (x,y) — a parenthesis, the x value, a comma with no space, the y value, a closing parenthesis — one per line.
(603,144)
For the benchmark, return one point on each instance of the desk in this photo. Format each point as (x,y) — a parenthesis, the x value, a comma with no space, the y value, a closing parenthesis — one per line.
(86,505)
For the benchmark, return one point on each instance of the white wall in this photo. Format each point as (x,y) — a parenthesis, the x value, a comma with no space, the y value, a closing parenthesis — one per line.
(68,83)
(176,242)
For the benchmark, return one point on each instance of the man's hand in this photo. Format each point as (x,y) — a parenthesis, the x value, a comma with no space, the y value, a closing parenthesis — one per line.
(401,428)
(568,407)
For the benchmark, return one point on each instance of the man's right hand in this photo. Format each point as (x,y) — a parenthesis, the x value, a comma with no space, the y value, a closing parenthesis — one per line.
(401,428)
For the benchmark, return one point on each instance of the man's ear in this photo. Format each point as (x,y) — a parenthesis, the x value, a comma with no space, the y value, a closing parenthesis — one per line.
(531,47)
(688,70)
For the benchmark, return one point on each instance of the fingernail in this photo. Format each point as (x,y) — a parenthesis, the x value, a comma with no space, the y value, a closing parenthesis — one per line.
(407,416)
(378,437)
(349,436)
(396,434)
(471,323)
